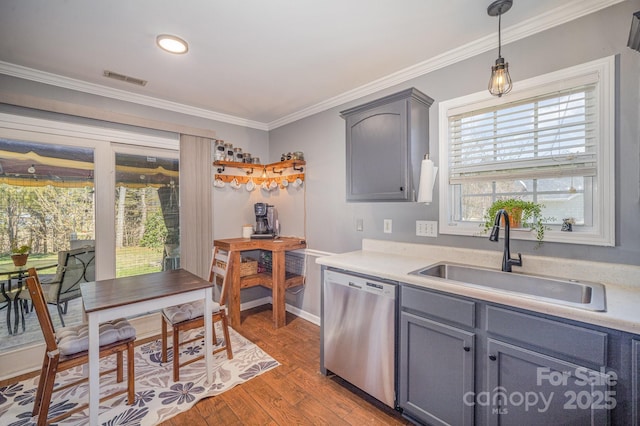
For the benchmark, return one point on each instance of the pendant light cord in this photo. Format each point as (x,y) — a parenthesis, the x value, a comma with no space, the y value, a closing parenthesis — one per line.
(499,35)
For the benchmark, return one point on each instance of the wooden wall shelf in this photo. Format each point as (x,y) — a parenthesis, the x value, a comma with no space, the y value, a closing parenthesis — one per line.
(294,164)
(275,172)
(258,180)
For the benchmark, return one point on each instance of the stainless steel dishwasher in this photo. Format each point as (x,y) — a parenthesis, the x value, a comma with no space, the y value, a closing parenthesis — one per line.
(358,332)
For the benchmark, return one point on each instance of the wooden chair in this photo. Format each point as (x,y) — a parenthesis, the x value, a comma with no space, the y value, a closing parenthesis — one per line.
(68,348)
(191,315)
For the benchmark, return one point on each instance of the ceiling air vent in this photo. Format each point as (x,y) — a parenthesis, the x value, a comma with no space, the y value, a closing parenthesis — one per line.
(125,78)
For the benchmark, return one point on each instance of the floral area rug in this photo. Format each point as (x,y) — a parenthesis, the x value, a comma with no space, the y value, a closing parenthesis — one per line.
(158,397)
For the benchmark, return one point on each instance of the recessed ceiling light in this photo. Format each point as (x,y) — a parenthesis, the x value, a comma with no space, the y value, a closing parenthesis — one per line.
(172,44)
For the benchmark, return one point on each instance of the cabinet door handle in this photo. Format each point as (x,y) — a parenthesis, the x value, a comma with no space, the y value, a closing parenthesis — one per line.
(492,357)
(466,348)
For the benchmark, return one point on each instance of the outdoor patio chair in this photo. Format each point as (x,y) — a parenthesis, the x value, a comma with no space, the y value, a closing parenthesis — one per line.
(191,315)
(74,267)
(76,244)
(68,348)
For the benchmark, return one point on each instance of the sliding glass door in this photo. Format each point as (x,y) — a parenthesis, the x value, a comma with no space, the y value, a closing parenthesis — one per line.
(47,202)
(68,186)
(147,221)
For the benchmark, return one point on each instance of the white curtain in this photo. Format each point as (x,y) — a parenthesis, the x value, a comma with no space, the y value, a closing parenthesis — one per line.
(196,227)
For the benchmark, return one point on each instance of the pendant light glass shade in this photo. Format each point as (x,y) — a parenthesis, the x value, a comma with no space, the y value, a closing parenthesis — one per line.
(500,82)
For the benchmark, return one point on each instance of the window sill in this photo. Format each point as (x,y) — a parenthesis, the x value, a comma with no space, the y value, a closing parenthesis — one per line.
(525,234)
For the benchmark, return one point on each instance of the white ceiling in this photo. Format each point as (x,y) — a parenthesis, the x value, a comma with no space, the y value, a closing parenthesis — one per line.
(261,63)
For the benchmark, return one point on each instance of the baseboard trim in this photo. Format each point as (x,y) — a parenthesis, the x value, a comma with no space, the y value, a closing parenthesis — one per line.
(314,319)
(255,303)
(268,300)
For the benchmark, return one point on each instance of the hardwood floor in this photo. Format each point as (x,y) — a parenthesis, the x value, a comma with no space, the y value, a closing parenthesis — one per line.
(293,393)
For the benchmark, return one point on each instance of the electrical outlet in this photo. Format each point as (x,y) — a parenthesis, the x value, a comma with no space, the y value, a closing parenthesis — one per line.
(427,228)
(387,226)
(359,224)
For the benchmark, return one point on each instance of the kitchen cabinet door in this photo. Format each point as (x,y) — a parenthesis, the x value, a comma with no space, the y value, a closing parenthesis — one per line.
(436,372)
(386,140)
(635,381)
(525,387)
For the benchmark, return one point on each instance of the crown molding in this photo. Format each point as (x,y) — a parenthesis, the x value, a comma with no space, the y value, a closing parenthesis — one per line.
(122,95)
(569,11)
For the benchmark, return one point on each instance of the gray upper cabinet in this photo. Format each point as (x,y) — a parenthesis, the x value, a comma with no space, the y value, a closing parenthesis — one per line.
(386,142)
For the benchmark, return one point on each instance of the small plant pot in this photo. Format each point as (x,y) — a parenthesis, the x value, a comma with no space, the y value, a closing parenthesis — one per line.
(19,259)
(515,217)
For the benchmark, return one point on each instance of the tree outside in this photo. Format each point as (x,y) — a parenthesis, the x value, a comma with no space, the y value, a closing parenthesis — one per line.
(47,218)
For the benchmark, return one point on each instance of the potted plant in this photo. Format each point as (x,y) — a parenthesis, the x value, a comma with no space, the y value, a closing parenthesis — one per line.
(19,255)
(525,214)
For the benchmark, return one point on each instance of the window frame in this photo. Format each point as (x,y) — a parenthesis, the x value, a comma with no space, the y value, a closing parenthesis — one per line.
(602,233)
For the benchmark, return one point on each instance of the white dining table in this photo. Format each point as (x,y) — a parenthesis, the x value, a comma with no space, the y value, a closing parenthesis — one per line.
(110,299)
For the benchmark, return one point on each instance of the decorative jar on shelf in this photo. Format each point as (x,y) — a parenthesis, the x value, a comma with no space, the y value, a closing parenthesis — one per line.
(229,149)
(237,155)
(220,151)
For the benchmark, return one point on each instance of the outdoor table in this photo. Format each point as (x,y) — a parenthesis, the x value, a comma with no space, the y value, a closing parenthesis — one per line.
(11,296)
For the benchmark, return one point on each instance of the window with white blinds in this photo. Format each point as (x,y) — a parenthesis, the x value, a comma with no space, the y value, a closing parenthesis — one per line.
(547,136)
(551,140)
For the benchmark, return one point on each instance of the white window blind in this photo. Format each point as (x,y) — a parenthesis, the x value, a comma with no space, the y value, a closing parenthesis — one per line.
(551,135)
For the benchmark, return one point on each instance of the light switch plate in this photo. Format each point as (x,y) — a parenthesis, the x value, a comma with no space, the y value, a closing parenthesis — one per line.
(427,228)
(359,224)
(387,226)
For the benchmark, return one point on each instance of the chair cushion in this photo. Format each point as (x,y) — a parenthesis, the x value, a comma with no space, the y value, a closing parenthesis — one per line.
(187,311)
(75,338)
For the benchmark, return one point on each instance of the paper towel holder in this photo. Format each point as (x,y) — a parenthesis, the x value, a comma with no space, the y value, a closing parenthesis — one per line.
(428,173)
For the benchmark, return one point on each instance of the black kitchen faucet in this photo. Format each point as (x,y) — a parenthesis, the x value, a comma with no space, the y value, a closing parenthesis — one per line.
(507,261)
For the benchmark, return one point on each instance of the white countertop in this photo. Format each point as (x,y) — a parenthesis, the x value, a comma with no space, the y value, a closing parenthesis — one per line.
(394,261)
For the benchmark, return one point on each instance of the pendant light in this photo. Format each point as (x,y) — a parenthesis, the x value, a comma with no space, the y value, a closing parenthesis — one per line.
(500,82)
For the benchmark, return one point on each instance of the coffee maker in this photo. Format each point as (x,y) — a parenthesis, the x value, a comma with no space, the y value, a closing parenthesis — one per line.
(266,221)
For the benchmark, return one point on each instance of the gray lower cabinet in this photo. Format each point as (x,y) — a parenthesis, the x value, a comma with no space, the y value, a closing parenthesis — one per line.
(464,361)
(635,381)
(437,364)
(528,388)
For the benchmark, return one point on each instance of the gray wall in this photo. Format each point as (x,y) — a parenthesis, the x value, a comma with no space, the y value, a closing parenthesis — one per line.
(322,138)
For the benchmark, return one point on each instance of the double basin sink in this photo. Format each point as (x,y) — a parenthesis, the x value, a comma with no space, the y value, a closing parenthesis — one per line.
(577,294)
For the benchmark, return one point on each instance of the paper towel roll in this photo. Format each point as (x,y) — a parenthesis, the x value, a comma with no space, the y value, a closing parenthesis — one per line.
(427,179)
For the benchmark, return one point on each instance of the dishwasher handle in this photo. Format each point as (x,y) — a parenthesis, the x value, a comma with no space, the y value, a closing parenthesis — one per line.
(360,284)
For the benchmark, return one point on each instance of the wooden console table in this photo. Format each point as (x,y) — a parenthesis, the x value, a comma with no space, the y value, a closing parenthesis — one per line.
(277,281)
